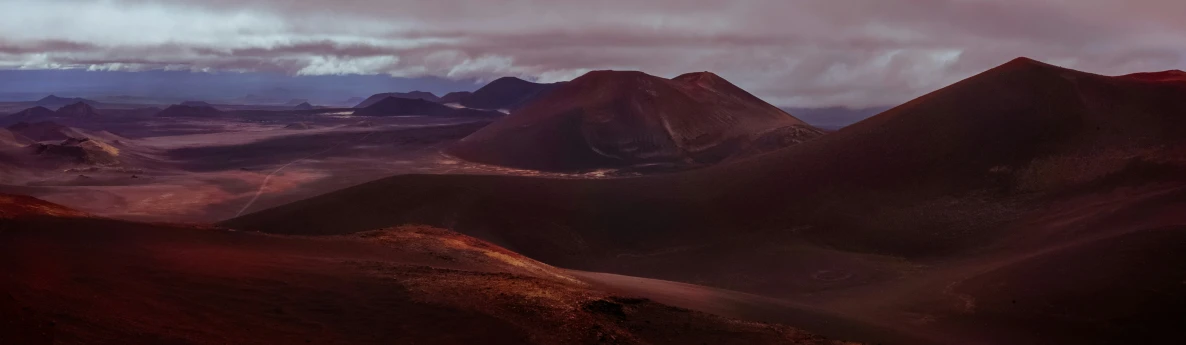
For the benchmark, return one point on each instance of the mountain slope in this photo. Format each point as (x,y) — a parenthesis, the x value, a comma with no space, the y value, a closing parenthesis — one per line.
(876,220)
(1018,129)
(623,119)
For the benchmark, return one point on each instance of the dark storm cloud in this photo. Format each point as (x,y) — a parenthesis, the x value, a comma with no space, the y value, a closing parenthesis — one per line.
(792,52)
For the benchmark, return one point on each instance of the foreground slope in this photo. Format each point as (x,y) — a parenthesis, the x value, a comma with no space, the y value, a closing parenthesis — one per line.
(902,218)
(613,119)
(71,278)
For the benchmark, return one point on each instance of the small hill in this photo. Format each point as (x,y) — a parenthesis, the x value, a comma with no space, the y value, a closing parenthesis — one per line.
(455,97)
(615,119)
(177,110)
(78,110)
(507,93)
(395,106)
(428,96)
(304,106)
(296,101)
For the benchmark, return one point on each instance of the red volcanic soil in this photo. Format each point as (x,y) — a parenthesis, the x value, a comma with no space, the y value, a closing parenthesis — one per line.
(455,97)
(926,217)
(70,279)
(621,119)
(395,106)
(178,110)
(507,93)
(77,110)
(427,96)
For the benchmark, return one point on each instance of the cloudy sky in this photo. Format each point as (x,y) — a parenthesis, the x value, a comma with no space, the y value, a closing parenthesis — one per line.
(790,52)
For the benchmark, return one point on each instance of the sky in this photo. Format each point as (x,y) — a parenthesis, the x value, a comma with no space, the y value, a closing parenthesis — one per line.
(799,53)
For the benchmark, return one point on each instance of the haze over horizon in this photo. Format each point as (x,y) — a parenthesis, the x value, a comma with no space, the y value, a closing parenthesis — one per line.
(803,53)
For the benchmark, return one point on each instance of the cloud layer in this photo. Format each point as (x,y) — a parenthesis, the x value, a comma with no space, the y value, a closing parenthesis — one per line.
(790,52)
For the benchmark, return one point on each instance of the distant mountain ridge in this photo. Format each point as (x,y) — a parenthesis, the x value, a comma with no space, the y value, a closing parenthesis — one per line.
(507,93)
(53,101)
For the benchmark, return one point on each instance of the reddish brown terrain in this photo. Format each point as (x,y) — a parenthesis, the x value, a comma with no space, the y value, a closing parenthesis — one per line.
(507,93)
(1029,204)
(71,278)
(614,119)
